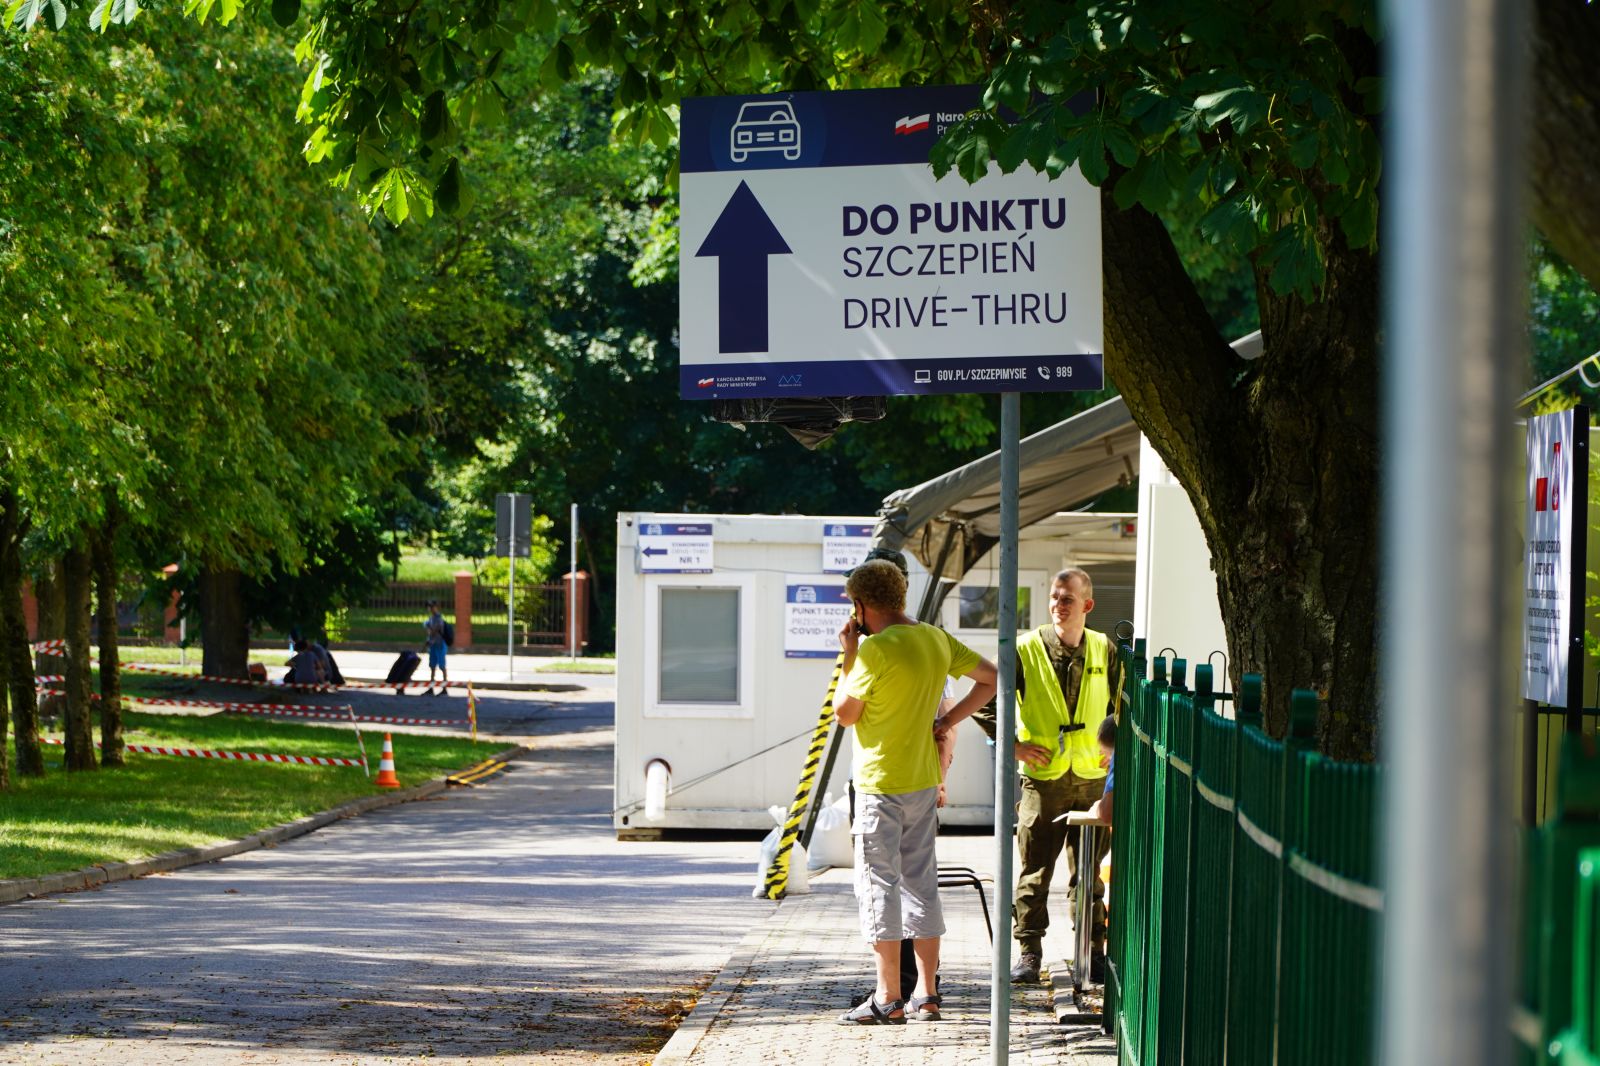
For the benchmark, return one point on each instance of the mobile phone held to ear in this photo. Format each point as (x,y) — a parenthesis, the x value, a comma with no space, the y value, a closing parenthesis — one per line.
(858,616)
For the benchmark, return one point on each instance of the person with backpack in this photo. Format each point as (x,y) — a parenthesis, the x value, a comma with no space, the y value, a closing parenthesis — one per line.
(440,636)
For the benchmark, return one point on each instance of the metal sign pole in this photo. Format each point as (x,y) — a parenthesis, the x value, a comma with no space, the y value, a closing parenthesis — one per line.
(1577,503)
(1005,773)
(1453,249)
(572,587)
(511,595)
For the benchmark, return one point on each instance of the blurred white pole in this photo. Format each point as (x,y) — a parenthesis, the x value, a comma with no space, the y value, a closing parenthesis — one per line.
(1453,249)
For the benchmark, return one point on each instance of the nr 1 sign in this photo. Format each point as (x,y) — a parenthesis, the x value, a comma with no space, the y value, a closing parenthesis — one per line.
(675,547)
(820,257)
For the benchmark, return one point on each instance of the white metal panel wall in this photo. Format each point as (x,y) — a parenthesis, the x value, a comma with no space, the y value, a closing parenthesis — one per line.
(1175,590)
(754,553)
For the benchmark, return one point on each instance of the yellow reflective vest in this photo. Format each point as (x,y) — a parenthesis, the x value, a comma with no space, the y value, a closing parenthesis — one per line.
(1043,709)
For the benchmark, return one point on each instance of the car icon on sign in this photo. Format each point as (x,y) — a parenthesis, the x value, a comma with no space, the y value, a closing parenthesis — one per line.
(765,126)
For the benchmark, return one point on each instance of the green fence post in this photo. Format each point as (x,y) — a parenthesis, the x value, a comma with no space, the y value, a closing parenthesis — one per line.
(1156,871)
(1139,657)
(1246,712)
(1180,670)
(1176,887)
(1578,1044)
(1548,901)
(1300,739)
(1248,707)
(1203,702)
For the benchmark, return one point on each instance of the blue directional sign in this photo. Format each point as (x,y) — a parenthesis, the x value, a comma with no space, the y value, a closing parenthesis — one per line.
(675,547)
(819,257)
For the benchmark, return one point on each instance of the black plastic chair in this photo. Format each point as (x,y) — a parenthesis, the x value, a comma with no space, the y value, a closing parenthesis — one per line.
(966,877)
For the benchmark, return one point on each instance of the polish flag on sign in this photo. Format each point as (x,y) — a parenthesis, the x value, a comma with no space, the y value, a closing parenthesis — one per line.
(911,123)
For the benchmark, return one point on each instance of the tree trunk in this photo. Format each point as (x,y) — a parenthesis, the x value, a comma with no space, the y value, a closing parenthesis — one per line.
(224,629)
(1279,457)
(1565,133)
(14,643)
(77,582)
(5,721)
(105,572)
(50,594)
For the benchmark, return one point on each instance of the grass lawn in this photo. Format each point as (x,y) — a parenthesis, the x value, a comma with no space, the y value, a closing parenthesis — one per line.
(595,665)
(423,565)
(157,803)
(154,653)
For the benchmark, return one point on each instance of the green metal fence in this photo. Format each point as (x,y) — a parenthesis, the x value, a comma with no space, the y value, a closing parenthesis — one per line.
(1245,890)
(1580,1044)
(1555,1018)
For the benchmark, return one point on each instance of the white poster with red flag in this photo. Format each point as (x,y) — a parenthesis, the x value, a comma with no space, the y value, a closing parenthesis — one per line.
(1547,558)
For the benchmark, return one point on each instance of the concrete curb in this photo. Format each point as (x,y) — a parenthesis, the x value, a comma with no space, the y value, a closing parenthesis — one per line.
(21,888)
(681,1046)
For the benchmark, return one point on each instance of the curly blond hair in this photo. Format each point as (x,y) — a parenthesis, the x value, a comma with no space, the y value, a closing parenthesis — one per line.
(877,583)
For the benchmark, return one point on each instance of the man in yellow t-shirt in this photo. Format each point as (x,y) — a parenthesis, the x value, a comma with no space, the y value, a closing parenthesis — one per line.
(892,680)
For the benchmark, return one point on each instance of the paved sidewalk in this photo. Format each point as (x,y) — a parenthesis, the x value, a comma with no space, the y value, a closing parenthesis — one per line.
(777,998)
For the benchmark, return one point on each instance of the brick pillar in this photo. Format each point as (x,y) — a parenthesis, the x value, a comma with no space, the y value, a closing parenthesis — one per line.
(30,609)
(463,610)
(169,615)
(581,588)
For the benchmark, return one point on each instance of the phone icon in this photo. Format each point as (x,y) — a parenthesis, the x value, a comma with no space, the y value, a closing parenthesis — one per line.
(1044,372)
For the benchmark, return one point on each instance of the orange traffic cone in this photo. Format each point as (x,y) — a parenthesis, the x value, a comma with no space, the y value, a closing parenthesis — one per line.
(386,777)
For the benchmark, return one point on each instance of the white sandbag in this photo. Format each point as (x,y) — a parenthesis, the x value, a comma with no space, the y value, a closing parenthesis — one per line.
(799,881)
(830,840)
(799,884)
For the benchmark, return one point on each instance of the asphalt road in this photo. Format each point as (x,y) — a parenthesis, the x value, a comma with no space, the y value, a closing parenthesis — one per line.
(500,921)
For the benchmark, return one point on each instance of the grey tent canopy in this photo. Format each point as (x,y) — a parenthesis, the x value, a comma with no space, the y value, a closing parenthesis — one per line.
(951,521)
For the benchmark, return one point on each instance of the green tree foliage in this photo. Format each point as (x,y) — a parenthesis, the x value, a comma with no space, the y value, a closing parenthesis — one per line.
(1564,313)
(574,396)
(178,289)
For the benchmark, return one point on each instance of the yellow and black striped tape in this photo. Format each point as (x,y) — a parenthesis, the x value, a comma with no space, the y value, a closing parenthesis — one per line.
(777,882)
(472,775)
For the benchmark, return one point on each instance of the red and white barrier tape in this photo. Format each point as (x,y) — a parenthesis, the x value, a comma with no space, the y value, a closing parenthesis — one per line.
(278,710)
(247,708)
(274,711)
(50,679)
(233,756)
(146,669)
(49,647)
